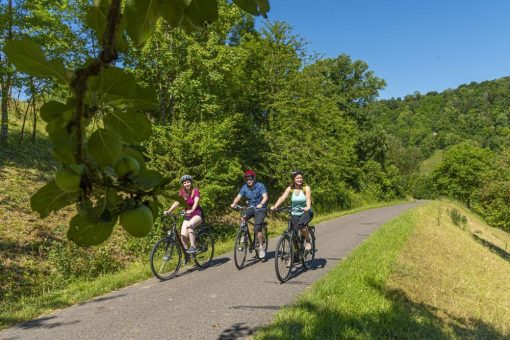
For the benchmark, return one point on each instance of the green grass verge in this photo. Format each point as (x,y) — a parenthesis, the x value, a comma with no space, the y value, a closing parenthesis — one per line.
(351,301)
(419,276)
(81,290)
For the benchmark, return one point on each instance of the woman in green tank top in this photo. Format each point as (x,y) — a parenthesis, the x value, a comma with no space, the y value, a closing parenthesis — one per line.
(301,204)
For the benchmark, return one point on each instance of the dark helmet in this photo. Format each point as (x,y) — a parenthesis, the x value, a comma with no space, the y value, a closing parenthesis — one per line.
(249,173)
(186,178)
(297,172)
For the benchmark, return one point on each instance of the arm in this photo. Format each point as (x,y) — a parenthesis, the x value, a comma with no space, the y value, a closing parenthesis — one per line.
(282,198)
(236,200)
(173,206)
(265,197)
(194,207)
(308,198)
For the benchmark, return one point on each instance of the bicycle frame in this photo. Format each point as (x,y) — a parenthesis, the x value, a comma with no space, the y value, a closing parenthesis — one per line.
(174,234)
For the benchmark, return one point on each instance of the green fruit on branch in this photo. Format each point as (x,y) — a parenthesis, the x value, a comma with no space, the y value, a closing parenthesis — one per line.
(127,165)
(137,222)
(68,179)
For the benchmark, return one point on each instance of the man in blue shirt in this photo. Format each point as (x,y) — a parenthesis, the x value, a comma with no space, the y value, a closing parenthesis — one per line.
(256,197)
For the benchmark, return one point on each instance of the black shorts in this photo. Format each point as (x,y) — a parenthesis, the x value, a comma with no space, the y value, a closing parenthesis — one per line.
(301,221)
(259,214)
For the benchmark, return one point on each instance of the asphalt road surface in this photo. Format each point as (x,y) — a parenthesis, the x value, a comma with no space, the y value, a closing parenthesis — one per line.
(219,302)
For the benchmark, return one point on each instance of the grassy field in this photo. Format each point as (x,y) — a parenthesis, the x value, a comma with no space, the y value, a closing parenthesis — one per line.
(428,165)
(419,276)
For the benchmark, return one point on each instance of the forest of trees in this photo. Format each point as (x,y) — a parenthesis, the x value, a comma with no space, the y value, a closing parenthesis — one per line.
(229,98)
(236,96)
(471,127)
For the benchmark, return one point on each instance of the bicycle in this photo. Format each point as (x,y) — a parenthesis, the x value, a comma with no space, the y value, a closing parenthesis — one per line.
(166,255)
(244,242)
(291,248)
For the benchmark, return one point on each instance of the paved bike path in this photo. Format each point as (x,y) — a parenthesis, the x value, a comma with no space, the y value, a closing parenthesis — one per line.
(219,302)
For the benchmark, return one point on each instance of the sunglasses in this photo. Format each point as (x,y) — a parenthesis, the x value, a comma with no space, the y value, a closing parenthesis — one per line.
(248,178)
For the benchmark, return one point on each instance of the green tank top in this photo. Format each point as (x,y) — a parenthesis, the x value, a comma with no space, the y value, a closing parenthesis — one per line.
(298,202)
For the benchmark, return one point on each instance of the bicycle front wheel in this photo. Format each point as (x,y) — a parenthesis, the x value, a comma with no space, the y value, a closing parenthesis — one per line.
(205,249)
(284,259)
(240,249)
(165,259)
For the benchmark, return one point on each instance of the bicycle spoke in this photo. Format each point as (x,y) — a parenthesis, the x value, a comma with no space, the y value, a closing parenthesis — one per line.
(205,245)
(240,249)
(165,259)
(283,259)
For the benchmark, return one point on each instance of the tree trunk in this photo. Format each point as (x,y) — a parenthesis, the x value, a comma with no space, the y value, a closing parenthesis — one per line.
(34,126)
(6,87)
(24,121)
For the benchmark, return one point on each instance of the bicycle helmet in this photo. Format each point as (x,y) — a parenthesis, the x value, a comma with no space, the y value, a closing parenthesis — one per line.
(249,173)
(186,178)
(297,172)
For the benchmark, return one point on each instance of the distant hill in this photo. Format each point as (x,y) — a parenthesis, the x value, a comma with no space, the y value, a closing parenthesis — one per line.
(479,112)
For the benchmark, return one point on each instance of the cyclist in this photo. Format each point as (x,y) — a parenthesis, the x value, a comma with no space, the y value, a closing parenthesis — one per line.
(301,205)
(193,215)
(256,196)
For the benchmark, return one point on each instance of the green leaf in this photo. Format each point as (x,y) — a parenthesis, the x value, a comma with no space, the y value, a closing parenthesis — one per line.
(50,198)
(29,58)
(173,11)
(63,141)
(134,127)
(96,19)
(154,206)
(127,151)
(113,82)
(255,7)
(105,147)
(141,16)
(149,179)
(249,6)
(202,13)
(53,110)
(86,230)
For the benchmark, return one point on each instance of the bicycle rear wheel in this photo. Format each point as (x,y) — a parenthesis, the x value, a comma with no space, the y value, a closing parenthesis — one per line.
(284,259)
(205,248)
(240,249)
(309,255)
(165,259)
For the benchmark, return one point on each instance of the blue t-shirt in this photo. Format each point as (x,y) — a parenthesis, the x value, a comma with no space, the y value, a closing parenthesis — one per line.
(254,194)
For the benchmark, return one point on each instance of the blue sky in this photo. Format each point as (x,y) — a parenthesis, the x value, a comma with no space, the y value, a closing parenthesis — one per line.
(414,45)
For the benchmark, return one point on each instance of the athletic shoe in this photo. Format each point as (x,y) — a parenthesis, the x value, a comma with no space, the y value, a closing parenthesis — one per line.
(191,250)
(262,253)
(308,246)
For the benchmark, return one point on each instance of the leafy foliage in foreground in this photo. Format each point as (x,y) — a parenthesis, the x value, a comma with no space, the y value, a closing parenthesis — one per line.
(104,118)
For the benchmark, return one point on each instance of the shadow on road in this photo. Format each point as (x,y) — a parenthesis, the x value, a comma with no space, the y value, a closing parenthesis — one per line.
(238,330)
(255,307)
(214,263)
(314,265)
(105,298)
(43,323)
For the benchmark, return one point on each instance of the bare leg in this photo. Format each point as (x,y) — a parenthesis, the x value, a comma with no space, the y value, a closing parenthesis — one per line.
(184,234)
(193,222)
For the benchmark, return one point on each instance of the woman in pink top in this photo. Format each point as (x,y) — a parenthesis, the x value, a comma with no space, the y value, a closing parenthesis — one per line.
(193,213)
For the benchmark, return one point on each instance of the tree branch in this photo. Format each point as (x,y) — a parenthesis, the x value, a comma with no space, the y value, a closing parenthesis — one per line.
(79,83)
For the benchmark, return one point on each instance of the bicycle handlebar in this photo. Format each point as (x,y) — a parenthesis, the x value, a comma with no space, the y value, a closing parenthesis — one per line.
(280,209)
